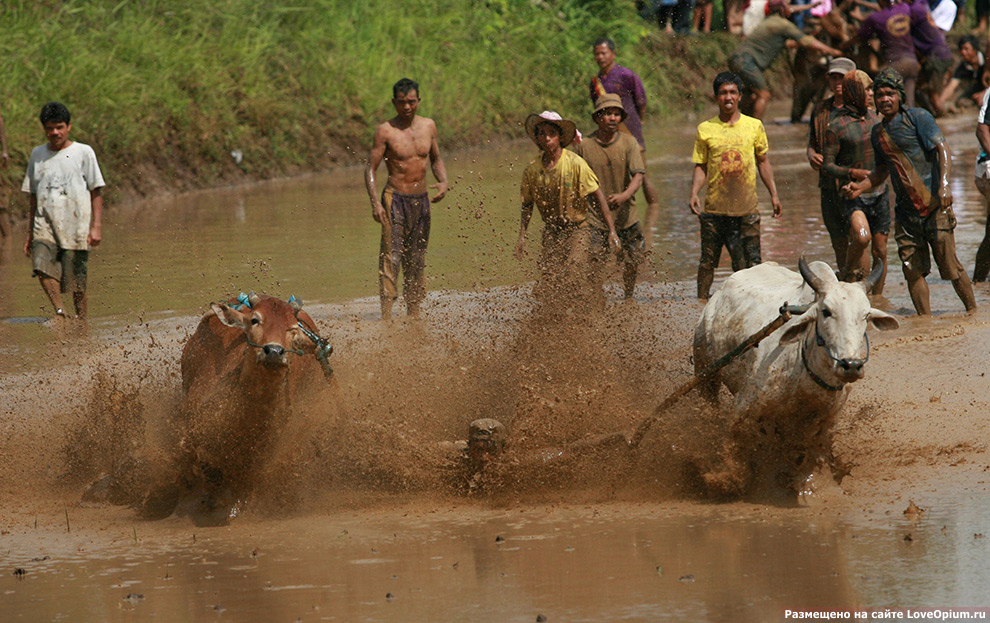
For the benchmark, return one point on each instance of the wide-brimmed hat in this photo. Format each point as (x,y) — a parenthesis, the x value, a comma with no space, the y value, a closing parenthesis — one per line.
(567,128)
(841,65)
(609,100)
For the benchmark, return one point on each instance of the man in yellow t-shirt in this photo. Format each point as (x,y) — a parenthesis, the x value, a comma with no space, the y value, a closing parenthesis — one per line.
(559,184)
(728,151)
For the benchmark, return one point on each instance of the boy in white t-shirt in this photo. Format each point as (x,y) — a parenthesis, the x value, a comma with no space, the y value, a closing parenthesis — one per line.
(65,183)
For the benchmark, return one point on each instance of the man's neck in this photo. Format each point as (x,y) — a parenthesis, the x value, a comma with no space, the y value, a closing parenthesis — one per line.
(730,118)
(605,136)
(403,124)
(550,158)
(605,70)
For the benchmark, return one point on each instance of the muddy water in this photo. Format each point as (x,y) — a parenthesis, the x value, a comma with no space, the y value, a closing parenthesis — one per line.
(368,517)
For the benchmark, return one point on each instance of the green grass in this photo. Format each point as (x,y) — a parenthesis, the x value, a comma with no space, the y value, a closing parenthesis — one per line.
(164,90)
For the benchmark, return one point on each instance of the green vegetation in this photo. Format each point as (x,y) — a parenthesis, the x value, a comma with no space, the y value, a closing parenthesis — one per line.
(165,89)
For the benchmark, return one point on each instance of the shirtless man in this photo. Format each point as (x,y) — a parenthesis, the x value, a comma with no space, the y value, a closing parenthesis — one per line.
(406,142)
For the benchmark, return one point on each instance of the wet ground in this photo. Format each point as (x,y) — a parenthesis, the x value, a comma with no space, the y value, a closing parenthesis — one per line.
(362,523)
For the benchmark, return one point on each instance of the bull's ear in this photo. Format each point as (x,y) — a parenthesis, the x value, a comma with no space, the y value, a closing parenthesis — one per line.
(229,316)
(796,330)
(882,320)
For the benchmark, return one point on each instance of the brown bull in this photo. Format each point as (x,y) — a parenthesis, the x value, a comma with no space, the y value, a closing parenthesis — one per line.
(243,369)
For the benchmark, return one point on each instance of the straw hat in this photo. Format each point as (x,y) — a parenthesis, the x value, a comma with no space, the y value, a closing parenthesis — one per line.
(567,128)
(609,100)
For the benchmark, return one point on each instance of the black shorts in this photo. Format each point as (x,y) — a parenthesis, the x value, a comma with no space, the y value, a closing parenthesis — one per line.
(739,234)
(876,209)
(915,235)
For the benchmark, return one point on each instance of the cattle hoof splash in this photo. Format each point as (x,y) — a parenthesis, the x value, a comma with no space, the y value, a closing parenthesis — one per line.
(788,391)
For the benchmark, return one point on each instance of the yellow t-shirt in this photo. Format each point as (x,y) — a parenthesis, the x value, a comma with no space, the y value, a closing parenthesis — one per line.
(560,193)
(730,152)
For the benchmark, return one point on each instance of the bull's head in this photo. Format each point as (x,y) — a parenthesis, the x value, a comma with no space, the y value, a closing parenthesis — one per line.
(838,319)
(270,326)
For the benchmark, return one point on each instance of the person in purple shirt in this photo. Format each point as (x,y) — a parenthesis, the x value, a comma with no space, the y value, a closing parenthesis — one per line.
(892,25)
(936,57)
(614,78)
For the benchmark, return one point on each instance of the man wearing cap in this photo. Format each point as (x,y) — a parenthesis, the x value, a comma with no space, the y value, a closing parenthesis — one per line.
(407,143)
(821,116)
(615,158)
(559,184)
(757,52)
(908,143)
(728,151)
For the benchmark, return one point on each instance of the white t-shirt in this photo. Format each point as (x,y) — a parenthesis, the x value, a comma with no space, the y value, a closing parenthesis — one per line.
(61,181)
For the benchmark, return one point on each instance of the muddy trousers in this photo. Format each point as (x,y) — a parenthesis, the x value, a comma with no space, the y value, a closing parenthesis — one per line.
(405,234)
(739,234)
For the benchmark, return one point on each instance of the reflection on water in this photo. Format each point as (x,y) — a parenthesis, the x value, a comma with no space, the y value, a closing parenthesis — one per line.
(619,563)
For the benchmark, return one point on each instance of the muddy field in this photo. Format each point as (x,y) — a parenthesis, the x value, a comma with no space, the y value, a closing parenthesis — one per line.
(365,512)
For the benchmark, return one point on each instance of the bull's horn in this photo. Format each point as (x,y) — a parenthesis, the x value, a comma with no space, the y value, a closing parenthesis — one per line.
(253,299)
(875,275)
(813,280)
(295,304)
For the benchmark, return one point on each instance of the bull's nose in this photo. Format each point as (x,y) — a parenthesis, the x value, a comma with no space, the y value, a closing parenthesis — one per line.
(273,354)
(851,368)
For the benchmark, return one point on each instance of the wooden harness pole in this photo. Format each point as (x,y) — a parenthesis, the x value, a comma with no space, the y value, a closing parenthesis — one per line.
(712,368)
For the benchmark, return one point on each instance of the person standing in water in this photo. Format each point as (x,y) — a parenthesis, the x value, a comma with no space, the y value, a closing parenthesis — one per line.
(407,142)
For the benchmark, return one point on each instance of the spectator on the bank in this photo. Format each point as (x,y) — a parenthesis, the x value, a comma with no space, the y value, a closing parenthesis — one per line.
(757,52)
(967,75)
(936,57)
(982,11)
(683,13)
(5,225)
(703,16)
(892,26)
(943,13)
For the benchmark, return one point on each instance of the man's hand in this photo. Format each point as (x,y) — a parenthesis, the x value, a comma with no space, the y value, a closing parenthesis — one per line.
(441,191)
(858,175)
(27,244)
(614,244)
(95,236)
(851,190)
(520,250)
(617,199)
(4,160)
(945,198)
(815,159)
(778,208)
(695,204)
(378,212)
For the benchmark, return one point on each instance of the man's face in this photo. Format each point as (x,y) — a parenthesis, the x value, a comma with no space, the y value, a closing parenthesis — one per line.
(548,137)
(888,101)
(870,103)
(604,56)
(969,54)
(57,133)
(835,82)
(728,98)
(406,104)
(608,120)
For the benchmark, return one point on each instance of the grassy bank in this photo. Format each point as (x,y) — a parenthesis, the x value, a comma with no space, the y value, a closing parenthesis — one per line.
(165,90)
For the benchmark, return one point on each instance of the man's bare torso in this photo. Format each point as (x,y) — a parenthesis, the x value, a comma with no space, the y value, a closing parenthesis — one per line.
(407,153)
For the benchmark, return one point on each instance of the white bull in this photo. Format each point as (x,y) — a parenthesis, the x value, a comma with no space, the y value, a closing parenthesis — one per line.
(788,390)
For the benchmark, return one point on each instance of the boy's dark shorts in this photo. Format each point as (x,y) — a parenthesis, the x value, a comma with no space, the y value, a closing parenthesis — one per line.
(633,249)
(835,221)
(915,234)
(69,266)
(739,234)
(876,209)
(744,66)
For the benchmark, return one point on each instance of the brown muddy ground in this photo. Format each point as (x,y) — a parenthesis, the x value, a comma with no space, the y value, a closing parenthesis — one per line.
(363,516)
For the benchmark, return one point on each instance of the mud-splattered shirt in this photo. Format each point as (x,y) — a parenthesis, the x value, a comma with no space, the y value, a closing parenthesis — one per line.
(730,151)
(614,166)
(559,193)
(61,181)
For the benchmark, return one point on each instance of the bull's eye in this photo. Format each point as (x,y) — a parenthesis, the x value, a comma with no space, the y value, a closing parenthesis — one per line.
(255,321)
(826,313)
